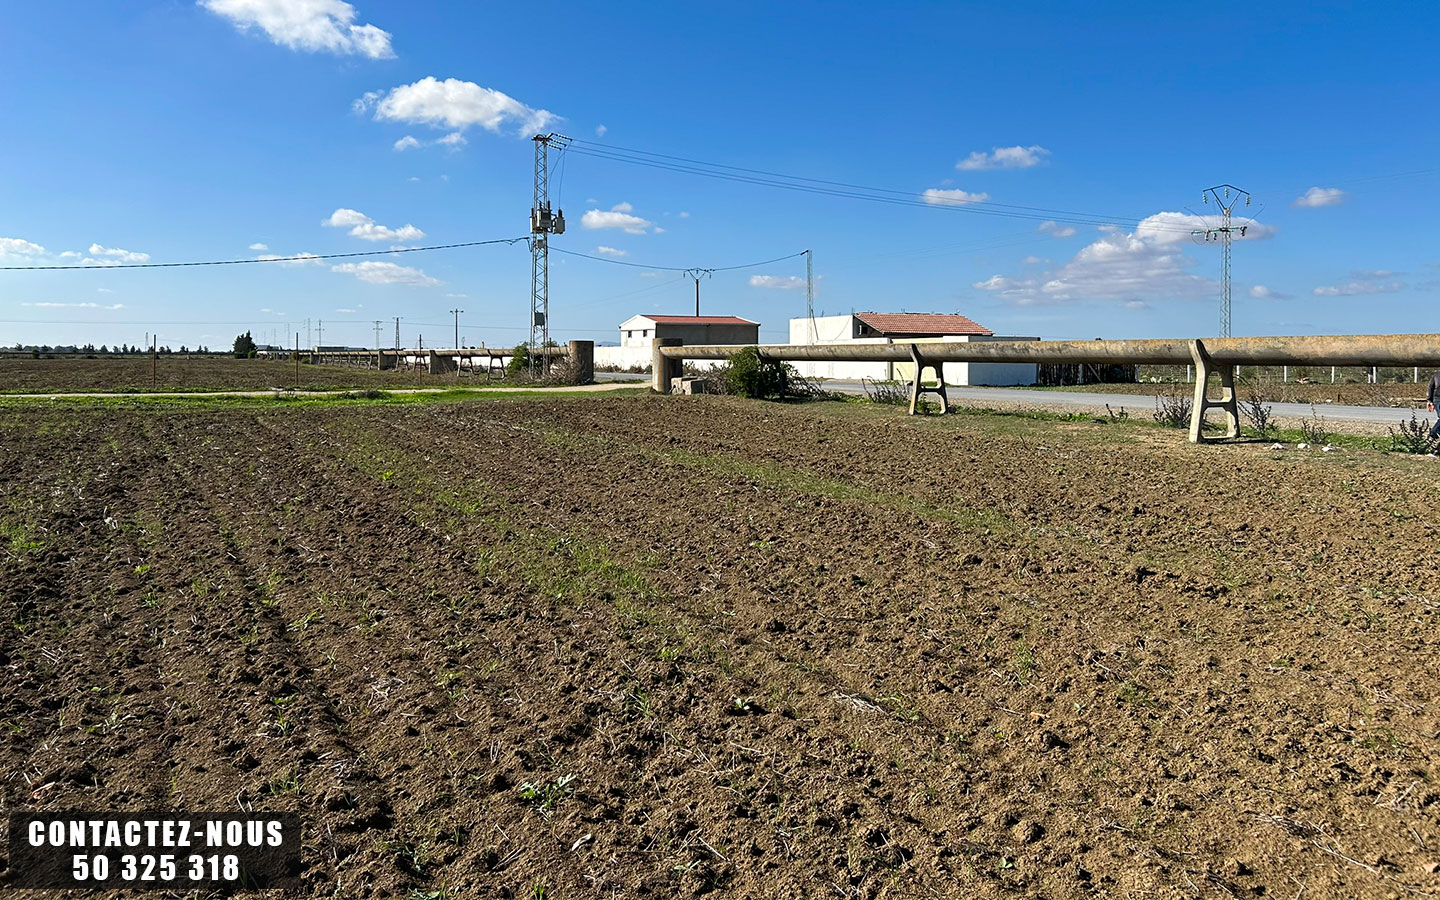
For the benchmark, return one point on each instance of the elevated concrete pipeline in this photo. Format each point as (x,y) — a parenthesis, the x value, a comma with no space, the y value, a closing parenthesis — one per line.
(1210,356)
(1323,350)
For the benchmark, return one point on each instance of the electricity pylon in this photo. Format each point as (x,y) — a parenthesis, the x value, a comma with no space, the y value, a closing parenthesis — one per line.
(1226,196)
(542,225)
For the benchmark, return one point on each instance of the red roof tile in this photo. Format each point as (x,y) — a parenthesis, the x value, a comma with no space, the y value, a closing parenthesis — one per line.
(700,320)
(922,323)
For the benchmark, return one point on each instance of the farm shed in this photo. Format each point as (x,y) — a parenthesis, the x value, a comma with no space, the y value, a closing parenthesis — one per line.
(638,332)
(904,328)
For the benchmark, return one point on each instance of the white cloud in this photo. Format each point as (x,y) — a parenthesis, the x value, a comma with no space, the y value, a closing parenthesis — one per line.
(1317,197)
(778,282)
(114,256)
(385,273)
(454,140)
(684,214)
(103,291)
(618,217)
(19,247)
(611,251)
(649,274)
(1148,264)
(1033,260)
(406,143)
(455,105)
(45,304)
(458,296)
(345,218)
(350,312)
(600,130)
(259,246)
(373,232)
(314,25)
(1261,292)
(1056,230)
(365,228)
(1136,304)
(1365,282)
(1004,158)
(952,197)
(300,259)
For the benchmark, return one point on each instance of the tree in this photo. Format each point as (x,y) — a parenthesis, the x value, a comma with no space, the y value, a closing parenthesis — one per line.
(244,346)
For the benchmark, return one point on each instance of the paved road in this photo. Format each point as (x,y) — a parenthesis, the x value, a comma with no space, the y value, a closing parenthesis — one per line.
(1142,403)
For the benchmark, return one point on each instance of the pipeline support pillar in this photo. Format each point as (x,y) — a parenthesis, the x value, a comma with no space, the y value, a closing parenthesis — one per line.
(582,362)
(1227,401)
(917,387)
(663,369)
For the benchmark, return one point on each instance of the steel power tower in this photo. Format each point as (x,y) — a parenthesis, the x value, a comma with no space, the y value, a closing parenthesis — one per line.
(1226,197)
(542,225)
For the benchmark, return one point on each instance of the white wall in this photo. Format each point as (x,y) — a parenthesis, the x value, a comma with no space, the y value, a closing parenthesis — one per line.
(838,330)
(626,357)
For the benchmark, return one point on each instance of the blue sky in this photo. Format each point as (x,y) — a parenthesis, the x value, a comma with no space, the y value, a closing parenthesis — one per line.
(232,129)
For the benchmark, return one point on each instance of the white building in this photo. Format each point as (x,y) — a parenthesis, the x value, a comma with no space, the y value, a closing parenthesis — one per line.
(637,334)
(904,328)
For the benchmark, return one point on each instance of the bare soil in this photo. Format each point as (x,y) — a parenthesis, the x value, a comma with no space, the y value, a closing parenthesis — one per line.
(660,647)
(132,374)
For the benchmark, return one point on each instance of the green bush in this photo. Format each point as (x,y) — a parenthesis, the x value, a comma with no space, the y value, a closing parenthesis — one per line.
(750,376)
(520,362)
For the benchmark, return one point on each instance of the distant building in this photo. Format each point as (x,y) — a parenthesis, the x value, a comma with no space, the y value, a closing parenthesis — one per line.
(904,328)
(638,333)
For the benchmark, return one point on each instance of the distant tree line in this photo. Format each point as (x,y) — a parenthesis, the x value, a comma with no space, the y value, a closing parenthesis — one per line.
(103,350)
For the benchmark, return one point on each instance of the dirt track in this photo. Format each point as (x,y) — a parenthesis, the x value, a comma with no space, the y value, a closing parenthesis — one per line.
(783,651)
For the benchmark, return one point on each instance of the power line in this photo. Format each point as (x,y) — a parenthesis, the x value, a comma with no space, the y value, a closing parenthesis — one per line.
(620,262)
(845,190)
(620,154)
(308,257)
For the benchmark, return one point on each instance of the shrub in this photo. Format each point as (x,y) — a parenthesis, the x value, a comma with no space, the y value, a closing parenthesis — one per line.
(519,364)
(750,376)
(1260,415)
(1314,429)
(891,393)
(1413,437)
(1173,407)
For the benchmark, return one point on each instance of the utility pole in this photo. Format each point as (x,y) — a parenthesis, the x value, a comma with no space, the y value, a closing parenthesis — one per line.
(697,274)
(456,312)
(810,294)
(308,342)
(319,331)
(397,332)
(542,225)
(1224,199)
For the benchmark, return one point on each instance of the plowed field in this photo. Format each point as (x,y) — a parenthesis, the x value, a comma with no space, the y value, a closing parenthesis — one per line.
(660,647)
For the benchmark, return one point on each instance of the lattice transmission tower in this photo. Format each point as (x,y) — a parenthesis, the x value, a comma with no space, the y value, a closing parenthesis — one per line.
(542,225)
(1226,197)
